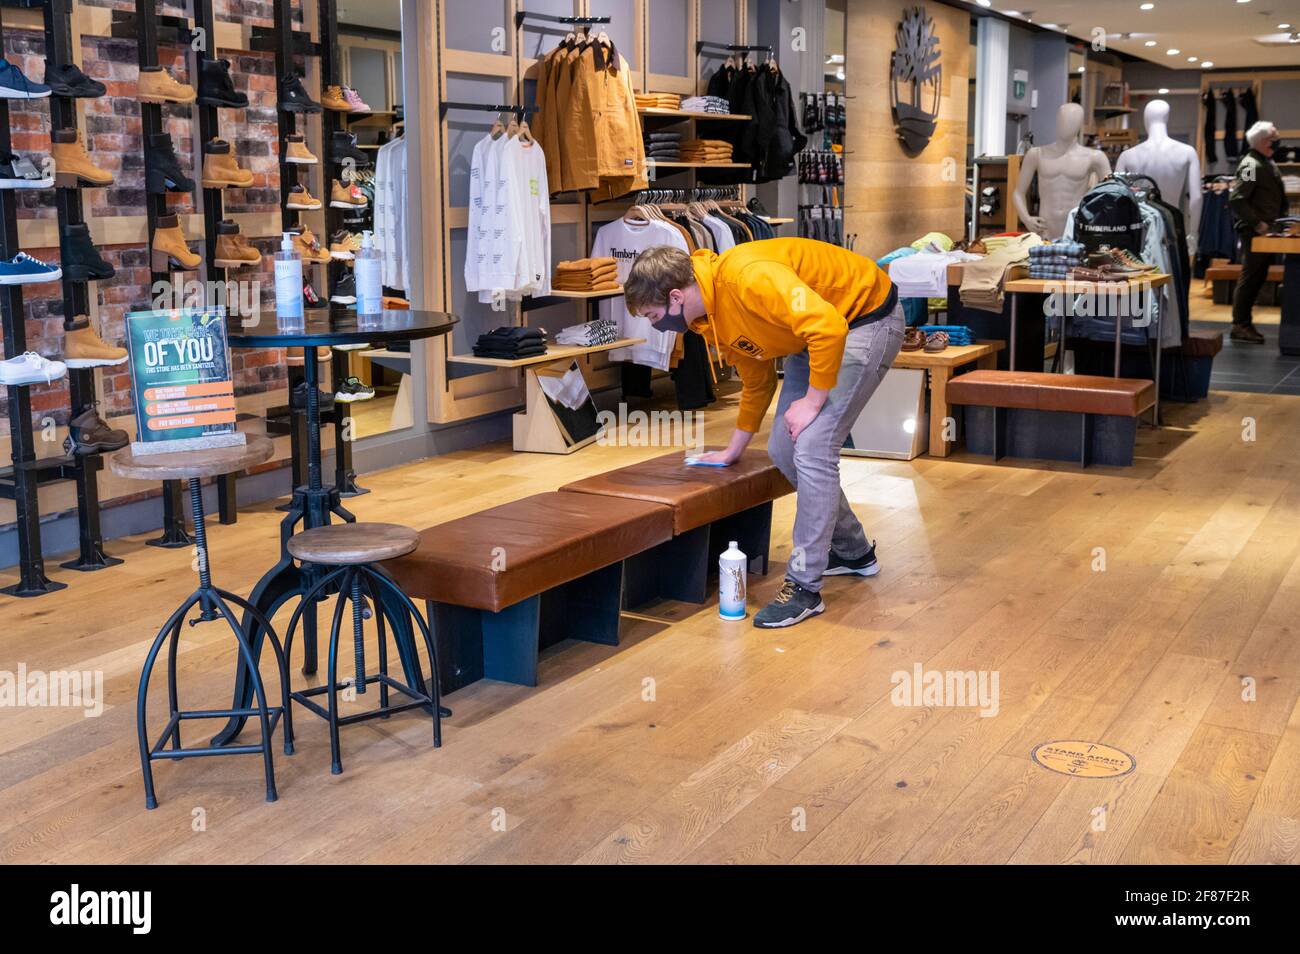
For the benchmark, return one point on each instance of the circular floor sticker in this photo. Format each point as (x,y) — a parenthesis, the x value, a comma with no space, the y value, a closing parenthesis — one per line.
(1084,759)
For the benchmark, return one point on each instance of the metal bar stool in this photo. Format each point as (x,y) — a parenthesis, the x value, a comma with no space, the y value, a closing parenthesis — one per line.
(355,549)
(213,603)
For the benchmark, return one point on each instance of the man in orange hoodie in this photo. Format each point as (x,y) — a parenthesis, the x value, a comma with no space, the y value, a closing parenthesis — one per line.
(836,320)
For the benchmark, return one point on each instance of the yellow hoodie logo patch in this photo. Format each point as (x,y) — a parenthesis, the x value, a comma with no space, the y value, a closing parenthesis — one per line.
(746,346)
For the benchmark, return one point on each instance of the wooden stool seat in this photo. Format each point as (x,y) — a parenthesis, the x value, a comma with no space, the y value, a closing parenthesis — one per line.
(192,464)
(343,544)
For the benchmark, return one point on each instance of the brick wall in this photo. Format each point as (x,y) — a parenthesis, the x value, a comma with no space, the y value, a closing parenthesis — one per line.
(111,128)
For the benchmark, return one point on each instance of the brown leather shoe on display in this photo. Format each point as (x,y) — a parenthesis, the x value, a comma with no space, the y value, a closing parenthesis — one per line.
(347,197)
(233,250)
(72,165)
(300,198)
(296,151)
(309,247)
(220,170)
(159,86)
(88,434)
(83,348)
(913,339)
(936,342)
(334,99)
(169,248)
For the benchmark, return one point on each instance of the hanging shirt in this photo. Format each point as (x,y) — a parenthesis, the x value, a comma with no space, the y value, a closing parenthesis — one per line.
(722,236)
(623,241)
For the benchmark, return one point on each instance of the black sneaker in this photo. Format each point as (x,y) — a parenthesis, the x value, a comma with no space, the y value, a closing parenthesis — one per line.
(163,171)
(298,398)
(66,79)
(353,390)
(864,565)
(19,172)
(793,604)
(216,88)
(345,290)
(345,147)
(80,259)
(293,98)
(758,208)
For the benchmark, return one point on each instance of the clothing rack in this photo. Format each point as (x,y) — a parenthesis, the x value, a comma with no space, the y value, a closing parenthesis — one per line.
(715,193)
(522,15)
(519,111)
(703,45)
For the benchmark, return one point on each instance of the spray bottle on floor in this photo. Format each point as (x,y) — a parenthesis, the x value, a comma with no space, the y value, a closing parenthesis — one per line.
(733,567)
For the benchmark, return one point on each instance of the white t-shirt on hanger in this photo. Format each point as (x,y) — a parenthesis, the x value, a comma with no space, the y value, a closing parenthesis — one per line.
(623,241)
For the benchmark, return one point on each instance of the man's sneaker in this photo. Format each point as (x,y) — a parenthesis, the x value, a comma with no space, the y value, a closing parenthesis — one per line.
(344,146)
(294,98)
(31,368)
(353,390)
(14,85)
(22,269)
(83,348)
(345,290)
(88,434)
(19,172)
(66,79)
(1119,260)
(1247,332)
(298,398)
(347,196)
(357,104)
(344,245)
(300,198)
(793,604)
(296,151)
(864,565)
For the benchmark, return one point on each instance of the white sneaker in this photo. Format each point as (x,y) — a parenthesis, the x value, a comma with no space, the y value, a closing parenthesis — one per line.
(31,368)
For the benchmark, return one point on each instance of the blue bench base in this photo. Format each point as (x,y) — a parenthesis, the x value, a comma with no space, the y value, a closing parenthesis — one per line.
(1051,435)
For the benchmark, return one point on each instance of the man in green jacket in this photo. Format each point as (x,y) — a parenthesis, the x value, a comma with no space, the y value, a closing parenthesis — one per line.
(1258,199)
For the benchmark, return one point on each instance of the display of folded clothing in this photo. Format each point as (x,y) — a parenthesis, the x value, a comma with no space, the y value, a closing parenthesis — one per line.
(658,101)
(587,274)
(1053,260)
(658,136)
(705,150)
(982,281)
(706,104)
(957,334)
(598,332)
(511,343)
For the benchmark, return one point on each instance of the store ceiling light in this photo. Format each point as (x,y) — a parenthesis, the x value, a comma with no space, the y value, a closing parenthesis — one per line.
(1150,43)
(985,3)
(1206,64)
(1163,91)
(1284,26)
(1192,59)
(1173,51)
(1147,6)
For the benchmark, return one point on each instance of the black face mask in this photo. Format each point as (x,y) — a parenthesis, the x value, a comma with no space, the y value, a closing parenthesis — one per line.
(672,322)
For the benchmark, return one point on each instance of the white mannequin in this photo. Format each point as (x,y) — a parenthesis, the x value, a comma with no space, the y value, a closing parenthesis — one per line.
(1173,164)
(1066,170)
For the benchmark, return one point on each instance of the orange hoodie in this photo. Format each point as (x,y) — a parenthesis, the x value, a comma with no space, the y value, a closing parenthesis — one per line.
(778,297)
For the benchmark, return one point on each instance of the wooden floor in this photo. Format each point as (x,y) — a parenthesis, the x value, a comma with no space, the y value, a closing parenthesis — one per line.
(705,741)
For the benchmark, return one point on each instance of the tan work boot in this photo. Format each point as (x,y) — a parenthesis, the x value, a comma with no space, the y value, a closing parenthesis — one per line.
(309,247)
(72,165)
(169,248)
(347,196)
(83,348)
(300,198)
(159,86)
(296,151)
(220,169)
(233,250)
(333,98)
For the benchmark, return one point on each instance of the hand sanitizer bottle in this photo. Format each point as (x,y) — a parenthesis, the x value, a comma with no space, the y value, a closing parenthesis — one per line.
(288,280)
(732,569)
(365,267)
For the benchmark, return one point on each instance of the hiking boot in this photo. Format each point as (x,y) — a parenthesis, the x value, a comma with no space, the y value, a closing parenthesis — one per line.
(864,565)
(66,79)
(80,259)
(347,196)
(162,170)
(344,245)
(159,86)
(345,290)
(296,151)
(334,99)
(220,170)
(300,198)
(233,250)
(216,88)
(169,248)
(294,98)
(345,147)
(308,246)
(83,348)
(88,434)
(19,172)
(72,165)
(1247,332)
(793,604)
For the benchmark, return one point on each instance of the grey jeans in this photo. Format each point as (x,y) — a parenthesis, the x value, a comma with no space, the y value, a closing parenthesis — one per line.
(823,518)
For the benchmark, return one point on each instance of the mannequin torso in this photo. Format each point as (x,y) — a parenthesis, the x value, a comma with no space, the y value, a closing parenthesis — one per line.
(1173,165)
(1065,170)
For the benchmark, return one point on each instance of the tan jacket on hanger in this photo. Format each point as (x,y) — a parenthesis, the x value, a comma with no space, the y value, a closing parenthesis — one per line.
(579,109)
(548,131)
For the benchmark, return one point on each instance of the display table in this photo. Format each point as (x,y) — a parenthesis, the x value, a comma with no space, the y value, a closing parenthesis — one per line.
(1288,333)
(539,428)
(940,367)
(313,503)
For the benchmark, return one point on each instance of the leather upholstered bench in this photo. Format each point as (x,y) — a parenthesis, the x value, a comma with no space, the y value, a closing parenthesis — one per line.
(710,506)
(1224,278)
(1081,417)
(504,583)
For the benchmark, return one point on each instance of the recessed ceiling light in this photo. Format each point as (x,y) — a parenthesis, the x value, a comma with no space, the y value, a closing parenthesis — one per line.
(1192,59)
(985,3)
(1081,69)
(1147,6)
(1163,90)
(1173,52)
(1206,64)
(1243,1)
(1284,26)
(1149,43)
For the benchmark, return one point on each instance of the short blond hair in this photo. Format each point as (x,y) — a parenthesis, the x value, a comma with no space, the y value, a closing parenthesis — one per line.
(655,273)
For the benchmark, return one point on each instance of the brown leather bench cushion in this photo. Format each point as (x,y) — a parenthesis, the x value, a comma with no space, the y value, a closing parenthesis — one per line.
(1077,393)
(545,540)
(1231,273)
(697,495)
(1203,344)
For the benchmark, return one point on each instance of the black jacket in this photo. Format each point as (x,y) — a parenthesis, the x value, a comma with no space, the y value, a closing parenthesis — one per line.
(1258,195)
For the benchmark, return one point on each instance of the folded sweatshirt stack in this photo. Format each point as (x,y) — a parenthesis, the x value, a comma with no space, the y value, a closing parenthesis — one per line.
(1054,260)
(658,101)
(664,146)
(587,275)
(587,335)
(706,104)
(511,343)
(706,150)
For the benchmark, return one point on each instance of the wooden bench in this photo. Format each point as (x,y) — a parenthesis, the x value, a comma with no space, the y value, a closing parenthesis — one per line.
(710,506)
(1224,280)
(1088,418)
(1192,364)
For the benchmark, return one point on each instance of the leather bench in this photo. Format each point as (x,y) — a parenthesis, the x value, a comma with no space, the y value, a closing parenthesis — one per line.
(1224,280)
(504,583)
(710,506)
(1187,377)
(1083,417)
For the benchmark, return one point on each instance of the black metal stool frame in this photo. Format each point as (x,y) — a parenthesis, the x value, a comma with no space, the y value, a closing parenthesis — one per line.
(350,582)
(213,603)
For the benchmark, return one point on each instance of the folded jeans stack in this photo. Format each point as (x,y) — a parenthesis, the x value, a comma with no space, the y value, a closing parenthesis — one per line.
(658,101)
(587,275)
(706,104)
(510,343)
(598,332)
(1055,260)
(663,146)
(706,151)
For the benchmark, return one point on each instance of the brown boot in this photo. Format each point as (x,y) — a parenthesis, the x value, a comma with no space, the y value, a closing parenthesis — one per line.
(309,247)
(88,434)
(347,196)
(159,86)
(169,248)
(83,348)
(220,169)
(233,250)
(296,151)
(333,98)
(72,165)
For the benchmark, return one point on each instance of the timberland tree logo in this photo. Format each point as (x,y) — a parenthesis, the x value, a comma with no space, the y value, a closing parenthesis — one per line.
(917,80)
(77,907)
(747,346)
